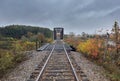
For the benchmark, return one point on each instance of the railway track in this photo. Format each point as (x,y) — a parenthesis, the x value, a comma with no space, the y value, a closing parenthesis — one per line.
(58,66)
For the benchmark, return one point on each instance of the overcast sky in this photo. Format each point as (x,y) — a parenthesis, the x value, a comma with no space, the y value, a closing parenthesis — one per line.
(73,15)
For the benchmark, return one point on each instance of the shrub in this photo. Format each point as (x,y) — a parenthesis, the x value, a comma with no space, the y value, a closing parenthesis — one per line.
(28,45)
(24,46)
(18,58)
(6,62)
(89,47)
(49,40)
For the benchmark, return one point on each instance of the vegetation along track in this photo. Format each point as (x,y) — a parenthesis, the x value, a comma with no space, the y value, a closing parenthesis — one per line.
(58,66)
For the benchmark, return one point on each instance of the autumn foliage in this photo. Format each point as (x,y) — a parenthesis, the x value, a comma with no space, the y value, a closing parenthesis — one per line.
(24,46)
(97,50)
(73,41)
(89,47)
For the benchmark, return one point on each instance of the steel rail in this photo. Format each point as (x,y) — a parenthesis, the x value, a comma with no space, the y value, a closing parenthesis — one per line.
(38,77)
(74,72)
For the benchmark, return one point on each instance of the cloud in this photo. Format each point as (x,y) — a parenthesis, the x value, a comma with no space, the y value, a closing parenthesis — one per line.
(100,13)
(73,15)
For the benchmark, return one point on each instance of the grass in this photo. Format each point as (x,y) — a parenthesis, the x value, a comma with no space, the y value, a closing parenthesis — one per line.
(112,71)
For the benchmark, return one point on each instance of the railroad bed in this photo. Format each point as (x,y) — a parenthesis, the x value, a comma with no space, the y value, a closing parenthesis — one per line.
(58,66)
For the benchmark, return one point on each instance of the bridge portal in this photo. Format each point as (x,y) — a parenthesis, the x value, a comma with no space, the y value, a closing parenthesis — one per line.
(58,33)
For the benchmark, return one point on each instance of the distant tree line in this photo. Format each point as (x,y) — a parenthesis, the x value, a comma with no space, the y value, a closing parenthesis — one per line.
(17,31)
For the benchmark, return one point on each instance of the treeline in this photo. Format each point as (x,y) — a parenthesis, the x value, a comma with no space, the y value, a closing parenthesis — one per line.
(17,31)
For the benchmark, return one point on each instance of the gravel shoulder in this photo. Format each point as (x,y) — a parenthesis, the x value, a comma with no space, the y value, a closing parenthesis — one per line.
(93,71)
(23,71)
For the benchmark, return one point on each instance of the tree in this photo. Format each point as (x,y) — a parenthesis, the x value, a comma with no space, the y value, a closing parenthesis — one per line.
(41,37)
(23,38)
(116,30)
(117,41)
(29,34)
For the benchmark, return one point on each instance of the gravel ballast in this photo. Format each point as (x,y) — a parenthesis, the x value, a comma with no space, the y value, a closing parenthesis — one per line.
(93,71)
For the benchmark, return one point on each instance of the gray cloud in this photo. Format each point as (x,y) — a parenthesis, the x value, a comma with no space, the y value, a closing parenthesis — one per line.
(73,15)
